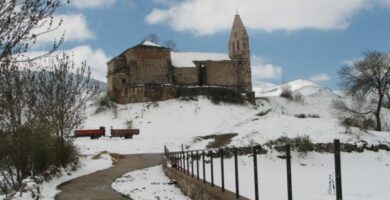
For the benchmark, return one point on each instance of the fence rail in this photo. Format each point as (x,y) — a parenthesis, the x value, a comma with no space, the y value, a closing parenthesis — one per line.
(181,161)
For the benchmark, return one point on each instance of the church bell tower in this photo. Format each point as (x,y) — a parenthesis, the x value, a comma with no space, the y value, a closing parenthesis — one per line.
(239,51)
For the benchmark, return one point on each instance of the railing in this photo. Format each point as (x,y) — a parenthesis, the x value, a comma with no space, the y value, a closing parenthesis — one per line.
(181,161)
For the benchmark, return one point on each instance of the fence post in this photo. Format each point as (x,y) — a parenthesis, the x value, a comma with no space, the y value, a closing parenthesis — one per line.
(188,163)
(204,168)
(192,165)
(212,168)
(183,158)
(222,172)
(184,161)
(180,161)
(197,165)
(289,182)
(236,174)
(176,161)
(255,173)
(339,194)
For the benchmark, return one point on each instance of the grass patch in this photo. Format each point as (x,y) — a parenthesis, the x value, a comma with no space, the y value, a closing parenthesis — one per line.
(219,140)
(115,157)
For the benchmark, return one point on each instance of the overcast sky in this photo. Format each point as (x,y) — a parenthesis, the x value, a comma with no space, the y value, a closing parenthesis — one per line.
(310,39)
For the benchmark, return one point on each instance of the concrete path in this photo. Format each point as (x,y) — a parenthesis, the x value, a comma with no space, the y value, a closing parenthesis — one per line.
(97,186)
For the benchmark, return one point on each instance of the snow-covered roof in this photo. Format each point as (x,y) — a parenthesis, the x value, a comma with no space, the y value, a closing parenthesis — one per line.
(185,59)
(149,43)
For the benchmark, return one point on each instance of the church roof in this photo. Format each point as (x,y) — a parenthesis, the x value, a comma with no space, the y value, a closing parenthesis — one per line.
(186,59)
(149,43)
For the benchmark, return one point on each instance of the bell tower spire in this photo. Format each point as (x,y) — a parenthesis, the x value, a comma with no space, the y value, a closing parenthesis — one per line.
(239,50)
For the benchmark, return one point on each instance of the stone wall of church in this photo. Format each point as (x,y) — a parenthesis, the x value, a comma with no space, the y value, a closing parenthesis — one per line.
(148,65)
(146,93)
(221,73)
(186,76)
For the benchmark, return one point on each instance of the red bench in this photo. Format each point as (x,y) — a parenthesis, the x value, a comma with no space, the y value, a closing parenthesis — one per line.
(92,133)
(126,133)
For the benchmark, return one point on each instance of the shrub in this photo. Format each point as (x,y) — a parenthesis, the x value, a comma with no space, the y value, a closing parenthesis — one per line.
(227,96)
(129,124)
(31,150)
(104,103)
(301,116)
(216,94)
(299,98)
(303,143)
(287,93)
(299,143)
(360,122)
(314,116)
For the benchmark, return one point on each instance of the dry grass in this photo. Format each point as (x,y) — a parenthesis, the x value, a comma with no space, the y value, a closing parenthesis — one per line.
(219,140)
(115,157)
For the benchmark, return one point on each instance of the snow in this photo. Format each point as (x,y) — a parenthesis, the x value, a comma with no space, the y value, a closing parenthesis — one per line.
(89,165)
(149,43)
(364,176)
(305,87)
(146,184)
(176,122)
(185,59)
(48,190)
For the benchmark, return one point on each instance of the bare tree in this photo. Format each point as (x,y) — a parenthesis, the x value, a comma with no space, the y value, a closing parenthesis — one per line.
(171,44)
(152,38)
(367,81)
(64,90)
(22,22)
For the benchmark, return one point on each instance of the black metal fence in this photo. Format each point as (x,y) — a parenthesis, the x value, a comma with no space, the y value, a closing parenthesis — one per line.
(181,161)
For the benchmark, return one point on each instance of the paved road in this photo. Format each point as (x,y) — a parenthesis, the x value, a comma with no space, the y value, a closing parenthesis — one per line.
(97,186)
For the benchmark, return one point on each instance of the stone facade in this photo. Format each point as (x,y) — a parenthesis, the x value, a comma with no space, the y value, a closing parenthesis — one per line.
(186,76)
(149,72)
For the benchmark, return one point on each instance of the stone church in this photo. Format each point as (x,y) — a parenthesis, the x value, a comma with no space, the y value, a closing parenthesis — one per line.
(150,72)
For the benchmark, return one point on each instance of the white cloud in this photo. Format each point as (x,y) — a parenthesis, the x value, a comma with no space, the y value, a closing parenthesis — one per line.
(386,2)
(207,17)
(262,70)
(81,4)
(319,77)
(74,26)
(95,58)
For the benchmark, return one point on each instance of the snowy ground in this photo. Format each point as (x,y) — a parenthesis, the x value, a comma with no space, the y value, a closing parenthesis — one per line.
(147,184)
(364,176)
(176,122)
(88,165)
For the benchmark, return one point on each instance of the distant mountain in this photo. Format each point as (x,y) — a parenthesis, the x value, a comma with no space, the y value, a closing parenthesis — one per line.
(305,87)
(102,85)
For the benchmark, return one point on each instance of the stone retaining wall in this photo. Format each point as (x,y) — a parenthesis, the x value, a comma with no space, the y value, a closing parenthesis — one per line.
(196,189)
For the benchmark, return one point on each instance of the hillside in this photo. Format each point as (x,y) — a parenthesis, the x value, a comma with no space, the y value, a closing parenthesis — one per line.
(176,122)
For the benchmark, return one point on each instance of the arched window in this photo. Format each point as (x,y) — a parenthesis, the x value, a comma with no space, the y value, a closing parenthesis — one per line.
(238,45)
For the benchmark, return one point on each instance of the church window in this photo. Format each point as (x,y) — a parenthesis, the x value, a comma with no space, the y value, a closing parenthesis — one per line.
(123,81)
(238,45)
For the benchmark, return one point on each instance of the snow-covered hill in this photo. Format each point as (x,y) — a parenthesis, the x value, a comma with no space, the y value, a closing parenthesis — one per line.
(176,122)
(302,86)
